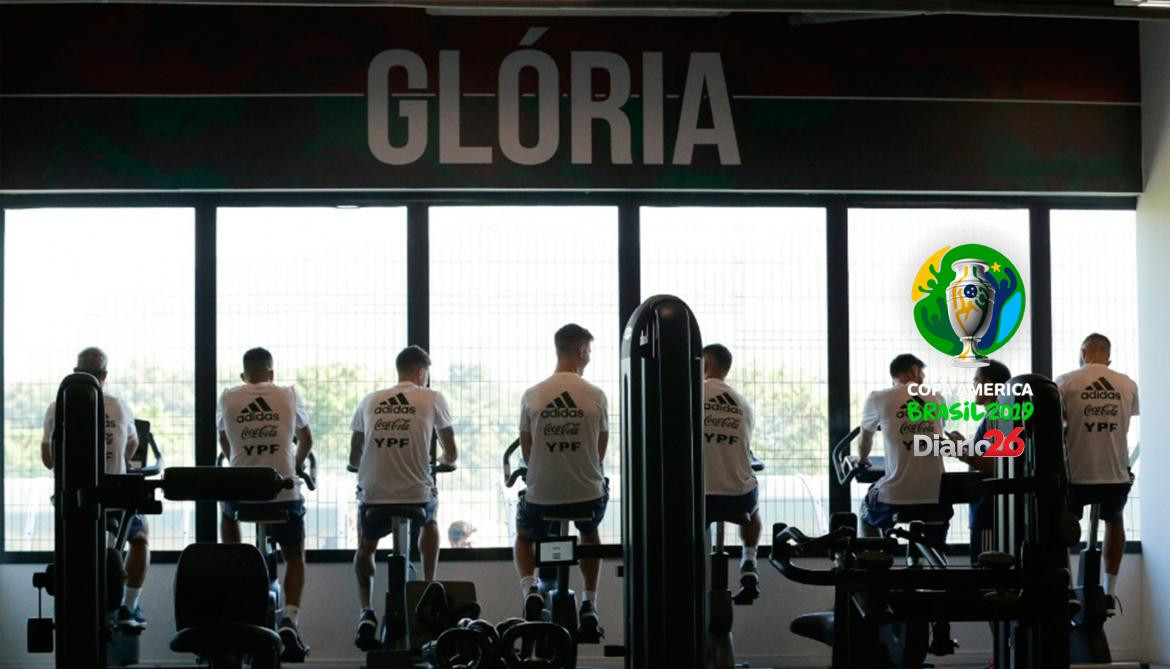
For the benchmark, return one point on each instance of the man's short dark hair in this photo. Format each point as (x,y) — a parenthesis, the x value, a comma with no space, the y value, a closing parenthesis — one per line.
(1098,342)
(569,338)
(996,372)
(720,356)
(904,363)
(257,362)
(411,359)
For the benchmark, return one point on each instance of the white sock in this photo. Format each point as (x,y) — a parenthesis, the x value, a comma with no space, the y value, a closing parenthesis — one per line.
(527,583)
(1110,583)
(749,553)
(590,596)
(292,613)
(130,597)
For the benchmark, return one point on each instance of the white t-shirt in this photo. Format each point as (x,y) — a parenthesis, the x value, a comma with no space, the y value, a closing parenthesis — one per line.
(119,431)
(909,478)
(1098,404)
(397,424)
(727,437)
(565,414)
(260,420)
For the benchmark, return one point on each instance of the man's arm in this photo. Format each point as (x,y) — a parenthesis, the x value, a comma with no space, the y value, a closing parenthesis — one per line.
(450,451)
(304,445)
(225,446)
(356,443)
(864,447)
(526,445)
(131,448)
(602,445)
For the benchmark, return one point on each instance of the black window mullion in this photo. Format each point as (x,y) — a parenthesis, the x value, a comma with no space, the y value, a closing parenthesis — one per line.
(837,276)
(3,535)
(206,439)
(418,277)
(1040,251)
(629,262)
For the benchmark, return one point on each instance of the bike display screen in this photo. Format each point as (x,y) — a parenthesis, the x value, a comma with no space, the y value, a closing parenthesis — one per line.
(556,552)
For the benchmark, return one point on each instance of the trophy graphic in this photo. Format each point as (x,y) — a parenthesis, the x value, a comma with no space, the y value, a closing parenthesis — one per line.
(970,302)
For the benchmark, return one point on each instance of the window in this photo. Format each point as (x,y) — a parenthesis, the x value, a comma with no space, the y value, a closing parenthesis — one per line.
(756,280)
(1094,289)
(120,279)
(886,249)
(324,290)
(503,280)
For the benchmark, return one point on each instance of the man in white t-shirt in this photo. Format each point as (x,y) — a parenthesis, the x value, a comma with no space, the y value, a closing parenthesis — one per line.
(564,432)
(1098,405)
(121,443)
(910,480)
(731,483)
(390,447)
(257,424)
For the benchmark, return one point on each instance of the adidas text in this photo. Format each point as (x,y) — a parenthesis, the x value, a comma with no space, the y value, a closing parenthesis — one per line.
(265,416)
(562,412)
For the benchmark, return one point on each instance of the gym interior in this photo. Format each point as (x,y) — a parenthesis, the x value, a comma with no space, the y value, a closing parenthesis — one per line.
(182,182)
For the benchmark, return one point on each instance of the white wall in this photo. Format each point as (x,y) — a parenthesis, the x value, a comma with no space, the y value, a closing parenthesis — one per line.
(761,631)
(1153,239)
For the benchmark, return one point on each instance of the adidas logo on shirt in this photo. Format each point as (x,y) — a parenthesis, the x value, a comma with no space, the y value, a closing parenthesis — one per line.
(725,403)
(257,410)
(1100,390)
(395,404)
(562,407)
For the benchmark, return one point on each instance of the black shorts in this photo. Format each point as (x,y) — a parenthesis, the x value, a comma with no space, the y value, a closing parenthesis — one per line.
(530,521)
(373,526)
(291,533)
(728,504)
(1111,496)
(880,515)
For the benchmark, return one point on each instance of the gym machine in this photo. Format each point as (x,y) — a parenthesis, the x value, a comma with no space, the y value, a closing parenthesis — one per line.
(79,579)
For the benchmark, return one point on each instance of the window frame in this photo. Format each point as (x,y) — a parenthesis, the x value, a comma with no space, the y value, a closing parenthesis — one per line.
(836,206)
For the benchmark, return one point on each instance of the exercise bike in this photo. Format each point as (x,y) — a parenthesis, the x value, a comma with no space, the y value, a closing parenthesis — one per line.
(720,602)
(262,517)
(555,557)
(415,611)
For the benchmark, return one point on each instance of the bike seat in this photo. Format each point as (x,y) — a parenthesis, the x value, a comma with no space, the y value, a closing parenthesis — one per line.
(929,514)
(733,518)
(815,626)
(412,512)
(567,517)
(265,516)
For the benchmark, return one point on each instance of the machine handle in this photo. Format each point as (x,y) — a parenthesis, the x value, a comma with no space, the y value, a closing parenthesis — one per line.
(513,475)
(246,484)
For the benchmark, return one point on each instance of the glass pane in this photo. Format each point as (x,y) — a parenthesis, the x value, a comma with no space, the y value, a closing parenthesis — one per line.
(120,279)
(756,280)
(324,290)
(886,249)
(503,280)
(1094,289)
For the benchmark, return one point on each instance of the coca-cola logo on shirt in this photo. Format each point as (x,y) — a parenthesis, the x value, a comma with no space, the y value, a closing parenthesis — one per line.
(395,424)
(262,432)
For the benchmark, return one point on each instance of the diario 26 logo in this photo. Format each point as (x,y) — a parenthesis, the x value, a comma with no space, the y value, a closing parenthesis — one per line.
(968,301)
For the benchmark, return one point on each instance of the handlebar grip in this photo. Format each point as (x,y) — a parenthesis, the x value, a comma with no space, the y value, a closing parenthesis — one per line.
(351,469)
(443,468)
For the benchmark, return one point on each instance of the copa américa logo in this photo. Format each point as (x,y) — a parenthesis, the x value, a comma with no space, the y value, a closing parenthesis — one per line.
(968,301)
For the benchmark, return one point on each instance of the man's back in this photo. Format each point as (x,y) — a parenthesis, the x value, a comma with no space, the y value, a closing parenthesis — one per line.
(260,420)
(909,479)
(119,431)
(397,424)
(727,434)
(565,415)
(1098,404)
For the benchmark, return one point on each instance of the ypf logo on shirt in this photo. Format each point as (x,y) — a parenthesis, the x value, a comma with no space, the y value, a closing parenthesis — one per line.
(396,404)
(257,411)
(968,302)
(562,407)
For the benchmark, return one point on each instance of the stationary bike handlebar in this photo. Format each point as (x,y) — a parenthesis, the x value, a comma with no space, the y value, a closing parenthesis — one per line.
(521,471)
(436,468)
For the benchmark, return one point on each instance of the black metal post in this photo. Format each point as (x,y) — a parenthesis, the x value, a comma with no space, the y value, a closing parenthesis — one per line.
(1040,251)
(206,439)
(837,250)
